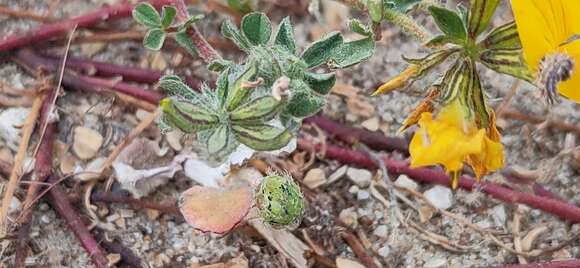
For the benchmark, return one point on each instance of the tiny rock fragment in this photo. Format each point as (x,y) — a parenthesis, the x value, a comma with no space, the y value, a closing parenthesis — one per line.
(337,174)
(15,204)
(346,263)
(405,182)
(381,231)
(498,214)
(361,177)
(86,142)
(384,251)
(426,213)
(441,197)
(436,263)
(174,140)
(113,258)
(68,162)
(371,124)
(360,107)
(348,217)
(362,195)
(141,114)
(152,214)
(314,178)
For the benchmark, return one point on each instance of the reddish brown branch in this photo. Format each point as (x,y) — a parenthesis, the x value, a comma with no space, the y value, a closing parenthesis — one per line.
(359,250)
(136,203)
(552,264)
(127,256)
(57,29)
(536,119)
(33,61)
(59,201)
(555,207)
(350,135)
(204,49)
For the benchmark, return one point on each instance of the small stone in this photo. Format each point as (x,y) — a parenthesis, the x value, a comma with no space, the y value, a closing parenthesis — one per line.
(121,222)
(353,189)
(126,213)
(348,217)
(441,197)
(363,195)
(314,178)
(102,211)
(405,182)
(113,258)
(174,140)
(361,177)
(45,219)
(498,215)
(346,263)
(381,231)
(141,114)
(435,263)
(68,163)
(86,142)
(113,217)
(426,213)
(371,124)
(14,205)
(384,251)
(338,174)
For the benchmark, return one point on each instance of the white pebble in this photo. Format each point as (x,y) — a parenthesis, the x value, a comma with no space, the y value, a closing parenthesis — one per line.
(441,197)
(361,177)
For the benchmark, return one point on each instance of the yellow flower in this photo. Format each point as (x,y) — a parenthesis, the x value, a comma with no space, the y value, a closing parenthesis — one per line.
(452,140)
(547,30)
(397,82)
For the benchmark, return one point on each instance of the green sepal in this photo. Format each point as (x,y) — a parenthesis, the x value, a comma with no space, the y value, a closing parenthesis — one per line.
(154,39)
(261,109)
(358,27)
(257,28)
(230,31)
(351,53)
(425,64)
(262,137)
(478,101)
(321,51)
(321,83)
(167,16)
(222,85)
(285,36)
(184,40)
(173,85)
(189,22)
(456,80)
(145,14)
(219,65)
(279,201)
(218,140)
(479,16)
(507,61)
(402,6)
(440,40)
(237,93)
(449,23)
(503,37)
(187,116)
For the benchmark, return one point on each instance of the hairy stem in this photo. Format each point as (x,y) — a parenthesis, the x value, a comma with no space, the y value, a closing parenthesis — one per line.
(205,50)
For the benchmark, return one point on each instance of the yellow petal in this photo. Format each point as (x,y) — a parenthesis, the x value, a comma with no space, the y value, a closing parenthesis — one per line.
(571,87)
(397,82)
(537,30)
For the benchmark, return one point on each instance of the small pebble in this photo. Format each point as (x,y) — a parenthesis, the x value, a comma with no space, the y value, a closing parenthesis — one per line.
(498,215)
(361,177)
(441,197)
(348,217)
(435,263)
(337,175)
(86,142)
(45,219)
(405,182)
(353,189)
(363,195)
(346,263)
(314,178)
(371,124)
(384,251)
(381,231)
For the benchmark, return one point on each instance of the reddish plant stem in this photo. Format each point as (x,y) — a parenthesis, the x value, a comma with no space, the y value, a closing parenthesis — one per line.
(553,264)
(45,32)
(565,211)
(204,48)
(109,197)
(33,61)
(42,170)
(359,250)
(536,119)
(59,201)
(128,257)
(350,135)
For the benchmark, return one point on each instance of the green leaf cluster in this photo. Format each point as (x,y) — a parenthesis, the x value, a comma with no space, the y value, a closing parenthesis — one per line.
(261,101)
(462,41)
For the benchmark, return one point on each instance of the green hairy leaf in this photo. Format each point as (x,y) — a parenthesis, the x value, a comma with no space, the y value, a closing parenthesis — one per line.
(358,27)
(449,23)
(218,139)
(376,9)
(503,37)
(321,51)
(402,6)
(261,109)
(230,31)
(146,15)
(173,85)
(303,101)
(262,137)
(154,39)
(186,116)
(167,16)
(257,28)
(507,61)
(352,53)
(480,13)
(237,93)
(320,83)
(285,36)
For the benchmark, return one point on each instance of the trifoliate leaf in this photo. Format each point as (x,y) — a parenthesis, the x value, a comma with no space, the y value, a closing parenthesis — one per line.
(167,15)
(257,28)
(145,14)
(449,22)
(154,39)
(285,36)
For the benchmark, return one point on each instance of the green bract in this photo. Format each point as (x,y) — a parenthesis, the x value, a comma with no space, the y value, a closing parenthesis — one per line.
(500,50)
(280,201)
(261,102)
